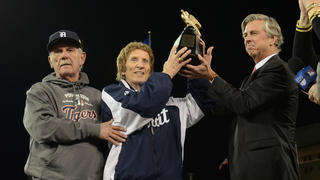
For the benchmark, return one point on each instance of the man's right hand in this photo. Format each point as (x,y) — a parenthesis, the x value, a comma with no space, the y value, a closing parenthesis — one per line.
(113,134)
(202,70)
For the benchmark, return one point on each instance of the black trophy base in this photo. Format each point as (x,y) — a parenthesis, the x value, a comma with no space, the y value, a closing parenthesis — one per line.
(190,40)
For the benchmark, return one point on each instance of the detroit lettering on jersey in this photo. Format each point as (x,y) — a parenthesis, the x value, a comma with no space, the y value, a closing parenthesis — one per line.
(160,119)
(78,100)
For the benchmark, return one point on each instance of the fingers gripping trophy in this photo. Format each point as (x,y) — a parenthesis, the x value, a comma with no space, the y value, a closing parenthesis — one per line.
(190,37)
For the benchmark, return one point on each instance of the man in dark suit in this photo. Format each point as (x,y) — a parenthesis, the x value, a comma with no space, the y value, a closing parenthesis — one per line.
(264,109)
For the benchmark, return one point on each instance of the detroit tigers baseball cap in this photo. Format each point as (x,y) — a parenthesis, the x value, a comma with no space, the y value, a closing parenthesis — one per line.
(63,37)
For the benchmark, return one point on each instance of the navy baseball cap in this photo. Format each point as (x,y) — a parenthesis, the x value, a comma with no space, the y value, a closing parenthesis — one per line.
(64,37)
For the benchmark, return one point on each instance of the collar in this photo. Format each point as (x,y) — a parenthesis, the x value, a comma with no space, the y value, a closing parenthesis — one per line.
(263,61)
(127,85)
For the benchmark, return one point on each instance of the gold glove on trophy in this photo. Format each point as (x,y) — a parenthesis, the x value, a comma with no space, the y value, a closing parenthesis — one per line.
(190,36)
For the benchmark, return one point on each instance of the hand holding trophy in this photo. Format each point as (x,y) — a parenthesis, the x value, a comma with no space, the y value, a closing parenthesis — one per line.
(190,37)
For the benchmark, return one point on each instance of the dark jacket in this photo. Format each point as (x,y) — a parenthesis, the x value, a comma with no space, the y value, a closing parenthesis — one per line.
(264,110)
(303,45)
(156,126)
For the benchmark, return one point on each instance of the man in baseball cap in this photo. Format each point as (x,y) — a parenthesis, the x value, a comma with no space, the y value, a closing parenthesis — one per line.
(64,37)
(62,116)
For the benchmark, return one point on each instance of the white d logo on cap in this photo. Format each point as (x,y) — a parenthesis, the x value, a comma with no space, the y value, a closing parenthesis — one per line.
(62,34)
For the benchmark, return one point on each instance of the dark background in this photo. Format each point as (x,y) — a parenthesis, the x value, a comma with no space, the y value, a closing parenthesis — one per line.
(105,28)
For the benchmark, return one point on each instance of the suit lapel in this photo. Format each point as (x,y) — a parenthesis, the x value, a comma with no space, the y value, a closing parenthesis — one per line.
(251,77)
(244,82)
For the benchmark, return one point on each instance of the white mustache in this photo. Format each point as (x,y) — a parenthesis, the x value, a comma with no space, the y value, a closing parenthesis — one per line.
(65,62)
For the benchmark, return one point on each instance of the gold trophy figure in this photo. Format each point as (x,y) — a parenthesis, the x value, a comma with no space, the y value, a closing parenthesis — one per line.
(190,20)
(190,36)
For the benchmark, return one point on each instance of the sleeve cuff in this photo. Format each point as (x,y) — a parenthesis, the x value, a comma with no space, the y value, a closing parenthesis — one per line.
(314,15)
(93,129)
(305,28)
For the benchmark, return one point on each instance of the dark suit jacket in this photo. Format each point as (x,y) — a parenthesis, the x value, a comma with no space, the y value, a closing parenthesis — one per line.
(264,110)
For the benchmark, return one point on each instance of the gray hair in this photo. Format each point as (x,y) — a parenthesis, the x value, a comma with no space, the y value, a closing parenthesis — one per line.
(271,27)
(80,51)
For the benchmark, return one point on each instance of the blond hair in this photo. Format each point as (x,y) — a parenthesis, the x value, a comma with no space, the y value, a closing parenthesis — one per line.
(124,55)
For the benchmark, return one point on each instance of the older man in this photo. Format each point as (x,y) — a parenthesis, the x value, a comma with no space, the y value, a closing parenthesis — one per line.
(62,116)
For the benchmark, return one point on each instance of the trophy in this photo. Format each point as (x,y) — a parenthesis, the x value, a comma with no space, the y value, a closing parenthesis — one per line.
(190,37)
